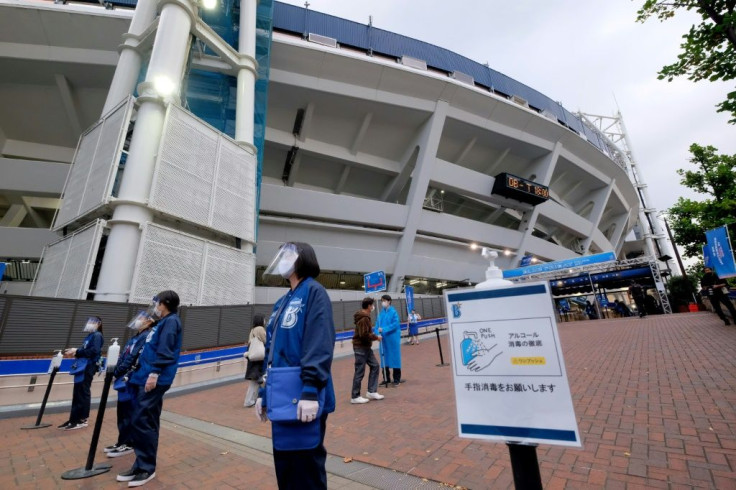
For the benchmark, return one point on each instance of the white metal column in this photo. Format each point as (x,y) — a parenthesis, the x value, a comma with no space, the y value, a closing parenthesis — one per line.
(165,71)
(129,63)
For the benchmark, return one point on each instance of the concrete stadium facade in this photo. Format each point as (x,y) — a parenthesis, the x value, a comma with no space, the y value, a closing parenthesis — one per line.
(379,164)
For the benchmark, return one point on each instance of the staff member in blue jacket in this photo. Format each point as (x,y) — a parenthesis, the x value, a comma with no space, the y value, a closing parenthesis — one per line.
(89,353)
(128,359)
(389,327)
(301,324)
(157,362)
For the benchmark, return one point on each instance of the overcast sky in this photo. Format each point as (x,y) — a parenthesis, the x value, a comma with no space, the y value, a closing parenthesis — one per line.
(591,55)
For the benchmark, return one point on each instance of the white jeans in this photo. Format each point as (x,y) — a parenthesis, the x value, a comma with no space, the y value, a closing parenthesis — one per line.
(251,394)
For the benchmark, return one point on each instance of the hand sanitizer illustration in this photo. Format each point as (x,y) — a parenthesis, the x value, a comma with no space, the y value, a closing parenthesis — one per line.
(469,346)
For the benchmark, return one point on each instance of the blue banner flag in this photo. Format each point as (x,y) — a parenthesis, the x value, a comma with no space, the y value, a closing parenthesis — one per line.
(2,270)
(720,253)
(409,290)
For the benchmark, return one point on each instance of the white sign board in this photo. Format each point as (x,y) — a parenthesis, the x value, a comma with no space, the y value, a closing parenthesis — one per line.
(508,371)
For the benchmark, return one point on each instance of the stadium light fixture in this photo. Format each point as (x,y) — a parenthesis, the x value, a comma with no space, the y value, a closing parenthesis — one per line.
(164,86)
(209,4)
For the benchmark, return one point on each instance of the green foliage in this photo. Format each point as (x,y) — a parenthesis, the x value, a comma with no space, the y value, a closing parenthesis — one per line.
(715,177)
(708,49)
(680,292)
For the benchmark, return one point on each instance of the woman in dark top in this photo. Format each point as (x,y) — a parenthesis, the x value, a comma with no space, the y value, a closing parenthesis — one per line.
(88,354)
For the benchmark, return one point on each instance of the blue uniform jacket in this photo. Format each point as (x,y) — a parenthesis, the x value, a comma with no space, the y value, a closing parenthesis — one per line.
(129,353)
(305,338)
(91,350)
(388,320)
(160,354)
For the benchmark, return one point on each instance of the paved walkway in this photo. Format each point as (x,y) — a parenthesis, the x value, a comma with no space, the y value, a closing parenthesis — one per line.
(655,401)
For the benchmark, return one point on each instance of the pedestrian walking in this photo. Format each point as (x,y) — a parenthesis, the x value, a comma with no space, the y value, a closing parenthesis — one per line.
(713,287)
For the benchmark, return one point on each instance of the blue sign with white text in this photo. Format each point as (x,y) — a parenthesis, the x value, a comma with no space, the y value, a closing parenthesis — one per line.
(2,270)
(409,290)
(525,260)
(560,265)
(375,282)
(719,252)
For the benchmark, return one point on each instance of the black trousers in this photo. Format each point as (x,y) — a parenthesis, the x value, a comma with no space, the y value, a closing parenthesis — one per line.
(396,376)
(302,470)
(363,356)
(81,398)
(716,301)
(124,412)
(145,426)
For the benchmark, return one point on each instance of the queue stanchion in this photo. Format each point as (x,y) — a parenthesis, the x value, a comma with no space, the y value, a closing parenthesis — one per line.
(53,369)
(91,469)
(525,466)
(439,346)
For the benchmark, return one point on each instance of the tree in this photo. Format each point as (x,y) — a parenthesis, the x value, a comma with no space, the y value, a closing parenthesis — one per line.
(708,49)
(716,178)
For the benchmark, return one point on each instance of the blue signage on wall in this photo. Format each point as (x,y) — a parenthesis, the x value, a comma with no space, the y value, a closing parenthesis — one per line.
(2,270)
(720,255)
(409,290)
(559,265)
(525,260)
(375,281)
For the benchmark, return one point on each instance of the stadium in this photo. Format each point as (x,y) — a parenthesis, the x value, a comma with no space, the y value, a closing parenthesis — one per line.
(385,153)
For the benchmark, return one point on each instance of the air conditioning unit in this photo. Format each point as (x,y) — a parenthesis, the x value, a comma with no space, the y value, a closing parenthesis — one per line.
(519,100)
(463,77)
(414,63)
(549,115)
(323,40)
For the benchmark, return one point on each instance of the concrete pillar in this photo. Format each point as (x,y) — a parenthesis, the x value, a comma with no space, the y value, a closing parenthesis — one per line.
(599,205)
(168,60)
(428,143)
(129,63)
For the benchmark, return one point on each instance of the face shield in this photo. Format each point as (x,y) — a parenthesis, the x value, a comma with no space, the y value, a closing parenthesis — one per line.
(141,320)
(91,325)
(283,263)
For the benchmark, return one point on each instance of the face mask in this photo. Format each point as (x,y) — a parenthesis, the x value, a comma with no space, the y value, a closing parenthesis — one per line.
(157,312)
(384,304)
(90,327)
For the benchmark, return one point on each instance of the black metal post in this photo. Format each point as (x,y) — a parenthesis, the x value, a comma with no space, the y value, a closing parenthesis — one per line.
(38,424)
(90,468)
(439,346)
(525,466)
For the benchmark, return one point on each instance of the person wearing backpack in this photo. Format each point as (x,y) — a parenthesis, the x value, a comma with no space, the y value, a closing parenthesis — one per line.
(84,370)
(255,354)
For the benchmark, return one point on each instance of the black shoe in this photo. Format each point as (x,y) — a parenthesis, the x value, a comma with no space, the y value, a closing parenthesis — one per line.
(78,425)
(141,479)
(112,448)
(395,385)
(402,381)
(127,475)
(64,425)
(121,450)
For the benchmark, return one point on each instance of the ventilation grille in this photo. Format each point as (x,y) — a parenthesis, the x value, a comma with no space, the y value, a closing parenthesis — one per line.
(204,177)
(463,77)
(414,63)
(323,40)
(66,265)
(519,100)
(201,271)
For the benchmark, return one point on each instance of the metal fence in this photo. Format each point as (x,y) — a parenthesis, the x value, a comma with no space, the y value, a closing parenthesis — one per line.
(38,326)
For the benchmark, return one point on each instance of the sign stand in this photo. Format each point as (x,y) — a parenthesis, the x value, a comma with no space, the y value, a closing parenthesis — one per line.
(525,466)
(38,424)
(439,345)
(508,370)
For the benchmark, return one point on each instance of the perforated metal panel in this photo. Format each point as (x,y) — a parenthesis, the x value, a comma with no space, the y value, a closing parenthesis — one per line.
(229,276)
(66,266)
(200,271)
(215,174)
(89,183)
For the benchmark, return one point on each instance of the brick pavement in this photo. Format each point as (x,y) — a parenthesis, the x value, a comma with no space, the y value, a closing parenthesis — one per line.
(655,401)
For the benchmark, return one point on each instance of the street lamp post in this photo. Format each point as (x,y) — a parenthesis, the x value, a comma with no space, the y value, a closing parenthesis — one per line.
(679,259)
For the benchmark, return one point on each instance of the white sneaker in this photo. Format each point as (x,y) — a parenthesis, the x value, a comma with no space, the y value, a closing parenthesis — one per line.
(360,399)
(374,396)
